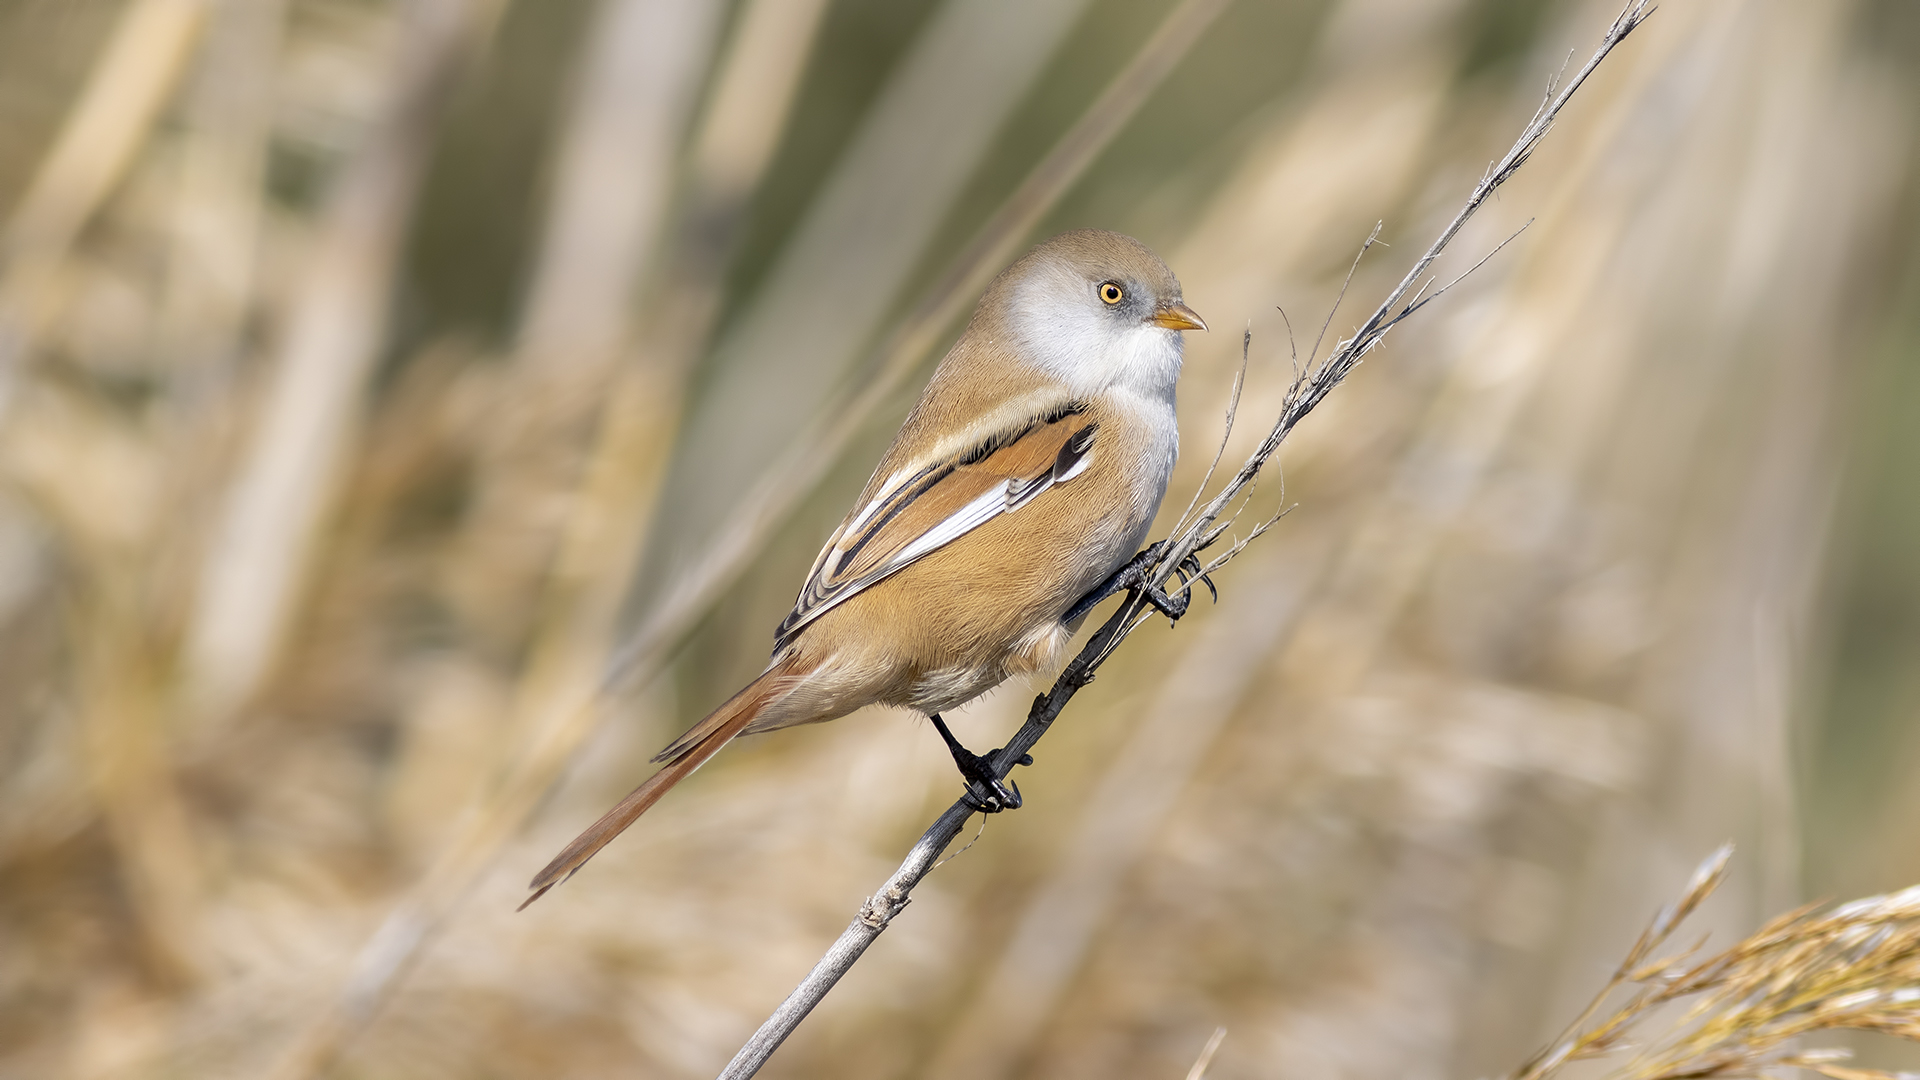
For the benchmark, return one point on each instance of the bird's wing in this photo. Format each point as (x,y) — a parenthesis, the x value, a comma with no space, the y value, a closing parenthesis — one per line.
(918,512)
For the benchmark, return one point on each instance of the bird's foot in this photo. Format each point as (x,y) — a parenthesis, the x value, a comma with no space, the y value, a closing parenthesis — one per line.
(1191,571)
(1133,578)
(986,792)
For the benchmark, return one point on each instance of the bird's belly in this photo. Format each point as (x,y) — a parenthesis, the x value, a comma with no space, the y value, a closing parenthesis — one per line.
(948,688)
(1037,651)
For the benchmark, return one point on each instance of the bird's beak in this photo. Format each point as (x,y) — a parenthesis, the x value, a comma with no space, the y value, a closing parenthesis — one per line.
(1178,316)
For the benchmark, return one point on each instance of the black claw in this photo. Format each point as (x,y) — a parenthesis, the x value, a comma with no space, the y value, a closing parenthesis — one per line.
(1190,571)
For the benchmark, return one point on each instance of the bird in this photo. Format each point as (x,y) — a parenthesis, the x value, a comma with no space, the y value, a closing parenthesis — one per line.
(1015,496)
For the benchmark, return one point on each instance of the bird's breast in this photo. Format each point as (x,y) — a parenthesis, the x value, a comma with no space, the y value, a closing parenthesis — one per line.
(1150,438)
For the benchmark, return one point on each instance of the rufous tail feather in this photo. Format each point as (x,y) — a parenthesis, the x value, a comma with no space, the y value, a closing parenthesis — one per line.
(686,754)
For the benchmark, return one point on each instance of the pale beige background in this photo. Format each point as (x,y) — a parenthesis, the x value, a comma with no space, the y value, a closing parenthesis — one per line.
(374,372)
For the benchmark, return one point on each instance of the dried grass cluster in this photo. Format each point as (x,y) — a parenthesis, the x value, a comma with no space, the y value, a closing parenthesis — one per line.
(1742,1012)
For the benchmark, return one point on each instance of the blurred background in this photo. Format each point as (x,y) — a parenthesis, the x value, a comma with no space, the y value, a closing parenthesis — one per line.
(378,378)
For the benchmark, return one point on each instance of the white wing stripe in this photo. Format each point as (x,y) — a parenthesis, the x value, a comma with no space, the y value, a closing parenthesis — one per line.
(880,498)
(1076,469)
(1002,498)
(957,524)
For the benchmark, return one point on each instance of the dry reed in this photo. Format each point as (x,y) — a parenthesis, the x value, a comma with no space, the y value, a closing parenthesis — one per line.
(1742,1012)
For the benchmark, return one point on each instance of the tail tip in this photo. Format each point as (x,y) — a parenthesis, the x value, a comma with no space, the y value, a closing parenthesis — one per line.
(545,880)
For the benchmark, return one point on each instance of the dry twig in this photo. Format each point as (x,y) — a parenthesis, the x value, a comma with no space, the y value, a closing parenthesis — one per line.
(1205,529)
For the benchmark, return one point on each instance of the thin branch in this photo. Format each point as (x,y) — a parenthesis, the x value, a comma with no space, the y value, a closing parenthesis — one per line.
(1484,259)
(1233,410)
(1372,239)
(1240,545)
(1307,391)
(1293,347)
(1205,1059)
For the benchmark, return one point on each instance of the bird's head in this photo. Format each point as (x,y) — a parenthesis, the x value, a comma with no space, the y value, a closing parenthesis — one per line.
(1096,309)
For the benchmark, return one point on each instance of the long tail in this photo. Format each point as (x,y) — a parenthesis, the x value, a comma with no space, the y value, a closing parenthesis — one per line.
(683,756)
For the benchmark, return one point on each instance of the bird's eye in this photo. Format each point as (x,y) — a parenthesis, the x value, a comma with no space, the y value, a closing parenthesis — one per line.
(1110,292)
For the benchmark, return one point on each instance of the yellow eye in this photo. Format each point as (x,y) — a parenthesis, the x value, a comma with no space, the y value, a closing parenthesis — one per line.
(1111,293)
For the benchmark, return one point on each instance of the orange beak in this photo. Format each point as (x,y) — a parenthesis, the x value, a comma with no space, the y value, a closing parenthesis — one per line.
(1178,316)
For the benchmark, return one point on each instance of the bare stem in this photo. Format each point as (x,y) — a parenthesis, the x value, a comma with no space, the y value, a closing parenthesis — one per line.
(1307,390)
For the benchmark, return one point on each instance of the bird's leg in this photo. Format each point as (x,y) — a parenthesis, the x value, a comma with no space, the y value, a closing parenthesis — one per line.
(1133,578)
(986,792)
(1127,577)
